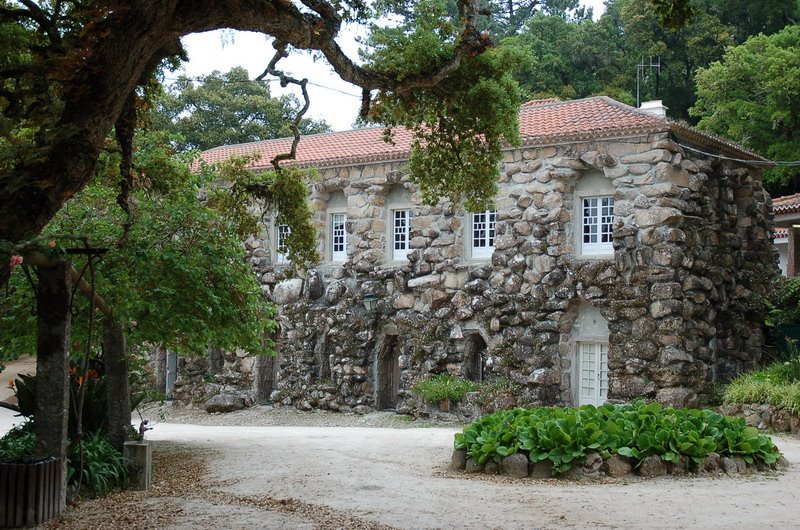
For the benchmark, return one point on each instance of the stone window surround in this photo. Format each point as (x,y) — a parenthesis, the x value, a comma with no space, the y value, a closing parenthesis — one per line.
(589,326)
(595,189)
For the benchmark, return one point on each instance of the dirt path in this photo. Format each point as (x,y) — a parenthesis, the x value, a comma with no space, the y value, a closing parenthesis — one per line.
(307,470)
(399,478)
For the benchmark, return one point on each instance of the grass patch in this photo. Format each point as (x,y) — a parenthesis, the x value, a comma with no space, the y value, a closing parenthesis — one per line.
(443,388)
(778,384)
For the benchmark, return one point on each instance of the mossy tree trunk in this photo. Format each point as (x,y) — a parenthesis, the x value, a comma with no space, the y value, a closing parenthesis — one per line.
(117,387)
(52,366)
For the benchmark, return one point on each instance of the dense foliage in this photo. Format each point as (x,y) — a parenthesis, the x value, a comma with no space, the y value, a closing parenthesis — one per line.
(563,436)
(179,277)
(94,417)
(783,302)
(481,95)
(443,387)
(225,109)
(94,463)
(752,96)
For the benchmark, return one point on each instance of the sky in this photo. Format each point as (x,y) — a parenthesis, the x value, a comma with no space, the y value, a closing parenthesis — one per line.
(332,99)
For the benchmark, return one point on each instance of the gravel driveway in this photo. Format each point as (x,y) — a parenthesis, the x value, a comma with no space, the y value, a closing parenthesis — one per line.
(322,470)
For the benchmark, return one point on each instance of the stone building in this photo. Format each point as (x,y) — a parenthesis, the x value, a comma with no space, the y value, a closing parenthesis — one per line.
(621,260)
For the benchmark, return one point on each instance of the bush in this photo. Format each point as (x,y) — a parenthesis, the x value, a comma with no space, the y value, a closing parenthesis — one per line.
(17,442)
(103,466)
(565,435)
(443,387)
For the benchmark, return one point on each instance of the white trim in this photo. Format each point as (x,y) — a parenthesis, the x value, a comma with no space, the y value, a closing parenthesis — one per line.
(592,372)
(400,226)
(596,225)
(282,231)
(338,235)
(482,233)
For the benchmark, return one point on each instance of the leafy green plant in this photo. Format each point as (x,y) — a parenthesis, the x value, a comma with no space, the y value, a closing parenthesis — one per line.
(103,467)
(95,403)
(18,442)
(563,436)
(443,388)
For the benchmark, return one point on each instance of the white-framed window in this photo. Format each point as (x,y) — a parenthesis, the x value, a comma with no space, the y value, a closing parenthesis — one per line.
(401,230)
(338,237)
(482,233)
(592,373)
(597,225)
(282,232)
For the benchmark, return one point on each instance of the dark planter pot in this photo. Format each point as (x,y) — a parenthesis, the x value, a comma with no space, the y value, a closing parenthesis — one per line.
(30,491)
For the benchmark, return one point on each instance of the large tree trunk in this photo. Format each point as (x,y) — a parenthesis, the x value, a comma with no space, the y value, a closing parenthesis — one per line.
(52,375)
(117,388)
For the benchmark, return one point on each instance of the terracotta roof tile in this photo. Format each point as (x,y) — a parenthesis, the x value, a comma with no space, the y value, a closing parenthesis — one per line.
(786,204)
(541,122)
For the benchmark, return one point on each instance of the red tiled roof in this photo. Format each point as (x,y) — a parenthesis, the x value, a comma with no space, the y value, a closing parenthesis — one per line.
(541,122)
(786,204)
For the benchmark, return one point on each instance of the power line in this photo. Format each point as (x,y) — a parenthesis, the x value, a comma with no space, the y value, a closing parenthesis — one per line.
(770,163)
(201,79)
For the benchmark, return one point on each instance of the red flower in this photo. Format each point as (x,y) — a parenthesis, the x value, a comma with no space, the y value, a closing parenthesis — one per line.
(51,243)
(15,260)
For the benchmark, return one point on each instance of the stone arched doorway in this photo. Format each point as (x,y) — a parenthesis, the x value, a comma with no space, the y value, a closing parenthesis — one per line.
(474,356)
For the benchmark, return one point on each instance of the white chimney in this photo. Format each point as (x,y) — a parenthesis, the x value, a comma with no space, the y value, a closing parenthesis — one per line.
(655,107)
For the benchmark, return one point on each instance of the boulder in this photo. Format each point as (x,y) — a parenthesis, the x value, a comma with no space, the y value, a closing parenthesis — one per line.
(515,466)
(224,403)
(617,466)
(711,464)
(541,469)
(287,291)
(652,466)
(314,285)
(472,466)
(491,468)
(459,460)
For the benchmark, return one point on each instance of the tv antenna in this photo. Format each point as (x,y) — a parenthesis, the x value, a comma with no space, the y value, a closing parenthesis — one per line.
(642,69)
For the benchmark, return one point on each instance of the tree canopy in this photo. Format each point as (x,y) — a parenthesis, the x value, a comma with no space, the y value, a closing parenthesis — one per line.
(225,109)
(752,96)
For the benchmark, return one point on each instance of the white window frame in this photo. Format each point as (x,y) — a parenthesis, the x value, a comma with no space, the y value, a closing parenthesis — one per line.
(481,239)
(592,372)
(282,231)
(400,233)
(338,246)
(596,225)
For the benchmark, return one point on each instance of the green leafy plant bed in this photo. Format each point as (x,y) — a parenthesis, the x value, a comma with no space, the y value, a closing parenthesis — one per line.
(613,439)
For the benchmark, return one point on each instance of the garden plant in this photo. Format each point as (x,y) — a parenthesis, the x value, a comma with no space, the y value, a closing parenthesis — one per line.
(564,436)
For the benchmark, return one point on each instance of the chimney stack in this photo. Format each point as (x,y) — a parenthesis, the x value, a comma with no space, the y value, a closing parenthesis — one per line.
(655,107)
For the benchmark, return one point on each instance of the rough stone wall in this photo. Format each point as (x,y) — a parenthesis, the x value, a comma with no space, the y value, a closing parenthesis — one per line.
(691,246)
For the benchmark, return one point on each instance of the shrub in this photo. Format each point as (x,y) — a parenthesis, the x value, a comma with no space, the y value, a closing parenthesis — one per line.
(17,442)
(443,387)
(565,435)
(103,466)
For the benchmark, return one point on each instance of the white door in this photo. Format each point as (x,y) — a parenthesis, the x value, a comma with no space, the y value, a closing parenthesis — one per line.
(592,373)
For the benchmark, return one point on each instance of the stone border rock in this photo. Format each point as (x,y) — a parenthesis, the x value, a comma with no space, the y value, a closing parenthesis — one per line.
(764,416)
(616,466)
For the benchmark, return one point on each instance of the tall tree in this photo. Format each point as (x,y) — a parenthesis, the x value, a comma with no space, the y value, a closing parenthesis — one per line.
(752,96)
(69,70)
(227,108)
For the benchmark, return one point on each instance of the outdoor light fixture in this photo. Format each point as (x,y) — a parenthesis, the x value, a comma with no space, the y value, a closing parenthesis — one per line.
(370,302)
